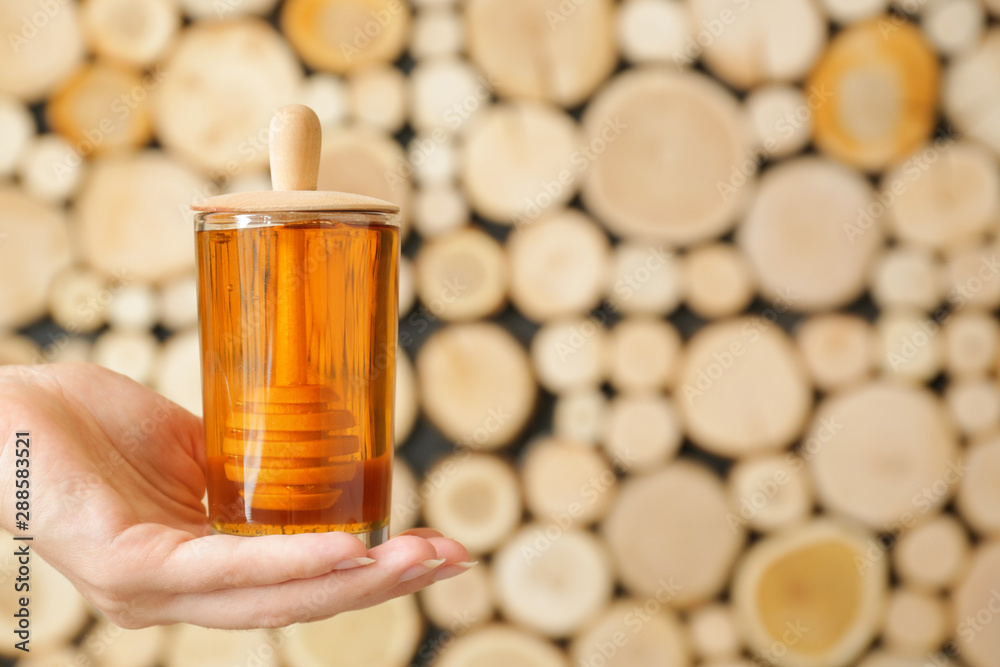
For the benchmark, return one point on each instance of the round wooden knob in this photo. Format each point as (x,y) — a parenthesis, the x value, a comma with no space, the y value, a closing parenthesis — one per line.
(296,137)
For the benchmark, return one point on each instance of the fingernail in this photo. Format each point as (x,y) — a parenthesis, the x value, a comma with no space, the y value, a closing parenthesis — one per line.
(454,570)
(352,563)
(421,568)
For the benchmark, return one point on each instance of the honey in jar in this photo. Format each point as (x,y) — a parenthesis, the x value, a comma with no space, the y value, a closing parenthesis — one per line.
(297,295)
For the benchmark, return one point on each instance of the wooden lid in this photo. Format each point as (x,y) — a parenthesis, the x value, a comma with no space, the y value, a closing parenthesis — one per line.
(295,149)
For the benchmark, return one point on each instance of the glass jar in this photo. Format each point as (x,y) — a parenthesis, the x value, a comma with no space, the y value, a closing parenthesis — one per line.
(298,321)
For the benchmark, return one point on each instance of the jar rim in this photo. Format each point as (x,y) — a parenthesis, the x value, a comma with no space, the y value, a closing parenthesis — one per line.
(242,220)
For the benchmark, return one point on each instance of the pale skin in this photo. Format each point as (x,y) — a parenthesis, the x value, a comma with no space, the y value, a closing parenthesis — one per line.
(117,481)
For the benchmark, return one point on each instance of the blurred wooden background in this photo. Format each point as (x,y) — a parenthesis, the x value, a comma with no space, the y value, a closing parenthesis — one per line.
(699,337)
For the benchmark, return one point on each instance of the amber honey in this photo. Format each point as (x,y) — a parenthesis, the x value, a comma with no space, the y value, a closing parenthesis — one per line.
(298,338)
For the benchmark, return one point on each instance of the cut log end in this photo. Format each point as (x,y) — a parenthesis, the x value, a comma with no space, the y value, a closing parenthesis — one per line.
(478,502)
(468,375)
(534,592)
(463,275)
(558,265)
(800,577)
(862,64)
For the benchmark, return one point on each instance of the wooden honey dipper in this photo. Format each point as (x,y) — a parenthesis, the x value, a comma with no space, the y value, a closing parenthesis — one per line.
(287,442)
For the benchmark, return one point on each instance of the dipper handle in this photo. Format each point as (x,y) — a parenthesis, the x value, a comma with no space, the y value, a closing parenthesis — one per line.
(296,138)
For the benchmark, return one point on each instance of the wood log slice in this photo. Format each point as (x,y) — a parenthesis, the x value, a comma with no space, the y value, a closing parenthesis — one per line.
(978,498)
(439,209)
(476,499)
(972,340)
(501,645)
(642,432)
(63,657)
(407,286)
(742,388)
(971,90)
(579,416)
(626,635)
(887,659)
(462,276)
(196,646)
(934,555)
(434,158)
(558,265)
(644,354)
(133,32)
(19,350)
(839,350)
(476,385)
(781,116)
(944,195)
(713,631)
(376,96)
(386,635)
(177,371)
(915,623)
(651,31)
(954,26)
(910,347)
(134,220)
(907,277)
(771,492)
(570,354)
(552,580)
(974,405)
(775,40)
(133,308)
(807,236)
(446,94)
(343,35)
(973,603)
(69,350)
(437,31)
(214,10)
(883,454)
(566,483)
(131,353)
(644,278)
(178,303)
(326,94)
(518,161)
(406,499)
(34,249)
(542,50)
(51,169)
(406,406)
(972,276)
(44,46)
(17,127)
(810,577)
(671,528)
(460,604)
(846,12)
(718,280)
(217,117)
(78,300)
(882,78)
(668,156)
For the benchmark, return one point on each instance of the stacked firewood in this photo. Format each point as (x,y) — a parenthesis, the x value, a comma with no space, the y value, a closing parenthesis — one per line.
(698,305)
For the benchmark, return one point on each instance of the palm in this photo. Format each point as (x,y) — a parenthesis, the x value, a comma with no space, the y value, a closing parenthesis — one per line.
(117,480)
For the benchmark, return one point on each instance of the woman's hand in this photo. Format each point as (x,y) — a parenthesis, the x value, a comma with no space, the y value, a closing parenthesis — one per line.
(117,479)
